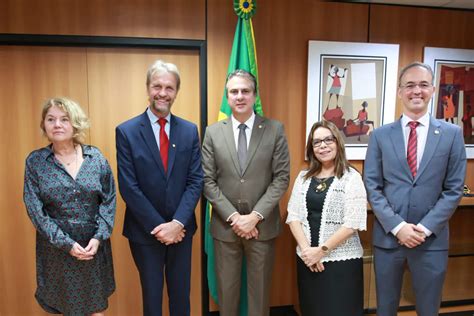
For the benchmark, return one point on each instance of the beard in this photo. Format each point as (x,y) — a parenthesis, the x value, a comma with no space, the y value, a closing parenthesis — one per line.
(161,108)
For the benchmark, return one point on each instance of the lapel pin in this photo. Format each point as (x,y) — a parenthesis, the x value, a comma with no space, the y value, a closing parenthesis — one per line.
(436,131)
(173,145)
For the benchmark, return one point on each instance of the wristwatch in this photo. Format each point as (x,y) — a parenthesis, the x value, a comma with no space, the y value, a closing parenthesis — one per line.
(325,249)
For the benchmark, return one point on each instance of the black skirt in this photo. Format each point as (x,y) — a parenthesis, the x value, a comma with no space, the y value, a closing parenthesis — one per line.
(337,291)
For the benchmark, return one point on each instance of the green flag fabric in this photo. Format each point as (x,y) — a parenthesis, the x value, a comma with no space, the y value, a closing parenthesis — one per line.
(243,56)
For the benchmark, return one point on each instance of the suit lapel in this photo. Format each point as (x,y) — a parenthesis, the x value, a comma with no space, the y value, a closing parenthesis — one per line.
(255,138)
(398,142)
(149,138)
(174,136)
(432,139)
(230,142)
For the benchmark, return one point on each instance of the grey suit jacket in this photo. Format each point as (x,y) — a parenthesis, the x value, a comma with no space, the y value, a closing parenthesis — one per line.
(264,180)
(430,198)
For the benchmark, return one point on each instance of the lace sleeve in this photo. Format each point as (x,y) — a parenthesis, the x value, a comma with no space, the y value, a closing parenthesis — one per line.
(355,212)
(296,204)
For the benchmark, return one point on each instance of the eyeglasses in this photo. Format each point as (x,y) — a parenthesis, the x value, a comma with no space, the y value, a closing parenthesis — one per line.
(327,140)
(412,85)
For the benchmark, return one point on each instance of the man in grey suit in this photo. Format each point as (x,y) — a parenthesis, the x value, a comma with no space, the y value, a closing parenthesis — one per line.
(246,171)
(414,174)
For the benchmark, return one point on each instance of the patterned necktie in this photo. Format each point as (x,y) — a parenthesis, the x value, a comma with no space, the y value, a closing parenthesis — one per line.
(164,143)
(242,147)
(412,147)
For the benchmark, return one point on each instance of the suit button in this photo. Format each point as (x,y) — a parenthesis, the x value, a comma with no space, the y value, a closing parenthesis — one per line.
(242,180)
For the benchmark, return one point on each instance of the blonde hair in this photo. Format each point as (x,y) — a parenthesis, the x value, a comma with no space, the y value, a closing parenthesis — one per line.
(160,67)
(79,120)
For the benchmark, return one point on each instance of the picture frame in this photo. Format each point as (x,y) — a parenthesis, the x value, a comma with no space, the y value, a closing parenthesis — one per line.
(353,85)
(453,100)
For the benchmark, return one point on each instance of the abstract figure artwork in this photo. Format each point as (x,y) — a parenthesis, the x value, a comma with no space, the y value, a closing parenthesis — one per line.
(454,96)
(351,91)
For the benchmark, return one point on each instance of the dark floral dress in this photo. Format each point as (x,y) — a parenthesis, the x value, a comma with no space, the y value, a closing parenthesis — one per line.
(66,210)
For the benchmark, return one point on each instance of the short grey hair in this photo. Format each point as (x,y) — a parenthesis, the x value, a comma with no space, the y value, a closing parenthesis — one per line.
(412,65)
(160,67)
(243,74)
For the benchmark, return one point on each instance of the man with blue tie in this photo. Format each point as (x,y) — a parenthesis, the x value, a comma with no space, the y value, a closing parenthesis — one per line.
(160,179)
(414,174)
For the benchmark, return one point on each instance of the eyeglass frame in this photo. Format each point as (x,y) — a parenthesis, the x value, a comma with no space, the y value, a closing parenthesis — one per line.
(328,140)
(410,86)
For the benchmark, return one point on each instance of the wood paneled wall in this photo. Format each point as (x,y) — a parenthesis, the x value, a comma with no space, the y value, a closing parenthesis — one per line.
(282,30)
(182,19)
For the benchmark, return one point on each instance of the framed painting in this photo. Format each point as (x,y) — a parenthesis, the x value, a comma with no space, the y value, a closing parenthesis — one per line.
(453,100)
(354,86)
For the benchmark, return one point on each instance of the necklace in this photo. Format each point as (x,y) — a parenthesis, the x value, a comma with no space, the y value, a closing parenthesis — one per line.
(68,163)
(321,185)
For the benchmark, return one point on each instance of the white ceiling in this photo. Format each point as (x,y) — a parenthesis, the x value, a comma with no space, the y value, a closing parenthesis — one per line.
(459,4)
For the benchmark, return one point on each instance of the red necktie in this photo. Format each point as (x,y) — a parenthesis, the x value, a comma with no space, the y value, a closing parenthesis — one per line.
(411,148)
(163,143)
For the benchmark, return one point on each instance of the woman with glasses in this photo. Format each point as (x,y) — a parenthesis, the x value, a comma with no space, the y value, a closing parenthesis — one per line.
(328,206)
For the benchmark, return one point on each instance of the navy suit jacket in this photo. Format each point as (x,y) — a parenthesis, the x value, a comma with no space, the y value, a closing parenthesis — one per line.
(152,196)
(430,198)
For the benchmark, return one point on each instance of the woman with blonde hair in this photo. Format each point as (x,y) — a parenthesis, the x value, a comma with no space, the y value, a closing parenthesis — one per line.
(327,207)
(69,194)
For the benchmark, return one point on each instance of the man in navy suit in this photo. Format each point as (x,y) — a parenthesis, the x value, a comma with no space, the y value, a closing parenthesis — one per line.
(160,179)
(414,174)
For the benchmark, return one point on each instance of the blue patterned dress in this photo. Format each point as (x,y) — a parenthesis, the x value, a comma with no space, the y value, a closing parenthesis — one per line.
(66,210)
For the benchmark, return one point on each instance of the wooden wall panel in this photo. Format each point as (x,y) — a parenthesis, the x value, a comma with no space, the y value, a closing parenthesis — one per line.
(117,92)
(470,174)
(28,76)
(137,18)
(282,30)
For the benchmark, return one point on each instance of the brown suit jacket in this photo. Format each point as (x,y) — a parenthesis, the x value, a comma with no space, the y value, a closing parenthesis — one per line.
(264,180)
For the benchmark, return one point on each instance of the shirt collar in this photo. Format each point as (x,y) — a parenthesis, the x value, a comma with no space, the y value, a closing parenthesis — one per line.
(86,150)
(153,118)
(424,120)
(248,123)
